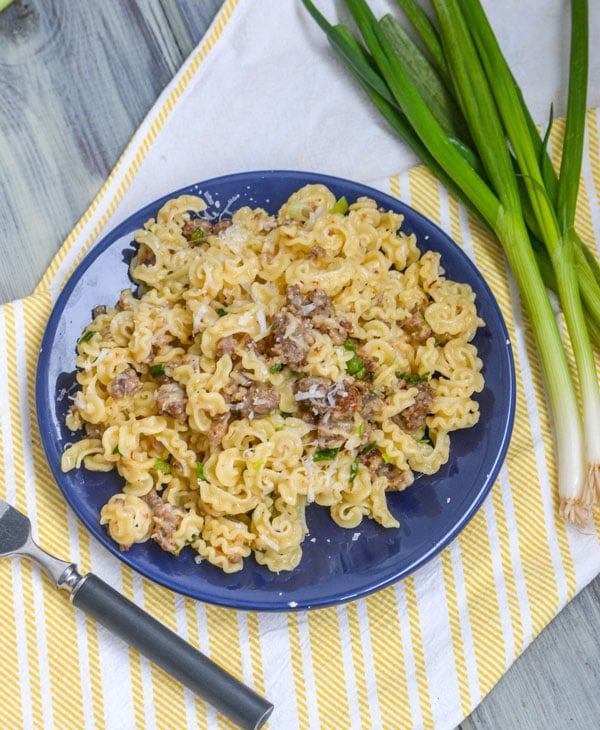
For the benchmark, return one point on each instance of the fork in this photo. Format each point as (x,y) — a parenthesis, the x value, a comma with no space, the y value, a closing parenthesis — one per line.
(158,643)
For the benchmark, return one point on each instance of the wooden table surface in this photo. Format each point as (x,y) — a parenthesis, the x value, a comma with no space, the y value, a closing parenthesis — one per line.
(76,78)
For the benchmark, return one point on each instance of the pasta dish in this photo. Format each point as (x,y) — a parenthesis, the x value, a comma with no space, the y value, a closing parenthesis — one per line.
(267,362)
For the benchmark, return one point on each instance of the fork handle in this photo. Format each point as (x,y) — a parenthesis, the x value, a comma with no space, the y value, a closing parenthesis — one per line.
(166,649)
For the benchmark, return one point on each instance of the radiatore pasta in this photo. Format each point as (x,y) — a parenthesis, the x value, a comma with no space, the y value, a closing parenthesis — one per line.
(266,363)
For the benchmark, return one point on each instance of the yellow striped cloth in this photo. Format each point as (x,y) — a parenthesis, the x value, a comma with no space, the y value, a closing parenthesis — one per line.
(419,654)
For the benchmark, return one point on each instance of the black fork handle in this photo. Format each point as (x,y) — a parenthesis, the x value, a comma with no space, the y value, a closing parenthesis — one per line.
(168,651)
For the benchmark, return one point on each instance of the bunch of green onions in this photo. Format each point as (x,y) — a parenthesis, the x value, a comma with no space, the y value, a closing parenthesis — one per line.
(451,96)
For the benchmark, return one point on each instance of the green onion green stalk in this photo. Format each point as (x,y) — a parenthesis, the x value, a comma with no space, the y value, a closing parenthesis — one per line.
(456,103)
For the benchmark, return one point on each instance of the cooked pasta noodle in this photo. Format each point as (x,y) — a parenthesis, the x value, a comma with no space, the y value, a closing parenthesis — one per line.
(266,363)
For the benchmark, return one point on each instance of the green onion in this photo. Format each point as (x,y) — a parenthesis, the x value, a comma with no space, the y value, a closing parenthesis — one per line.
(499,168)
(296,211)
(221,312)
(278,367)
(568,187)
(116,450)
(162,466)
(427,33)
(556,225)
(426,438)
(368,447)
(340,206)
(325,454)
(413,378)
(356,367)
(87,336)
(197,236)
(353,470)
(157,370)
(200,471)
(190,541)
(362,65)
(423,74)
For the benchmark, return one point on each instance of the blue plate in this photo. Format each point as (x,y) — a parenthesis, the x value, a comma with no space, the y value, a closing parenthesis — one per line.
(337,565)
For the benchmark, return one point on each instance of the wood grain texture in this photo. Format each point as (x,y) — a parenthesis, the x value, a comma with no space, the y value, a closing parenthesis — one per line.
(76,79)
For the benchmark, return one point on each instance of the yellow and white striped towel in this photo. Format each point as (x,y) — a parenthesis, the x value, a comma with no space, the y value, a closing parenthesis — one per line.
(262,91)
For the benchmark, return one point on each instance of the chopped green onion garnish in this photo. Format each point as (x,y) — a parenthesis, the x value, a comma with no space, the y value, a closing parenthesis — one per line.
(116,450)
(190,541)
(157,370)
(197,236)
(353,470)
(285,414)
(368,447)
(221,312)
(200,471)
(340,206)
(297,210)
(356,366)
(87,336)
(413,378)
(426,439)
(325,454)
(276,368)
(350,345)
(162,466)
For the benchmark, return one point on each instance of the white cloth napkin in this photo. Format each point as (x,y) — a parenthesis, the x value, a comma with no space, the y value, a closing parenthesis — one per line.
(262,90)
